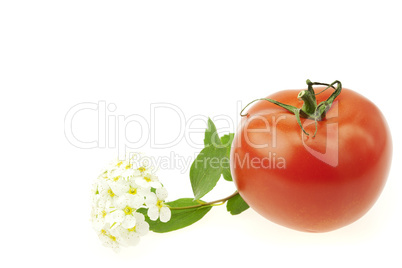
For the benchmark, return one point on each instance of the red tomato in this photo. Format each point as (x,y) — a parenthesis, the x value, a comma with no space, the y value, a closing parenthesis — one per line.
(313,184)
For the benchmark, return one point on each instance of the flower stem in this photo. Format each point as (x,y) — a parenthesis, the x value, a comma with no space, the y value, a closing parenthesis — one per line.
(219,201)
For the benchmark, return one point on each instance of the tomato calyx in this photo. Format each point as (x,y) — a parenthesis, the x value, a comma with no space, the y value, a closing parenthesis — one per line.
(310,109)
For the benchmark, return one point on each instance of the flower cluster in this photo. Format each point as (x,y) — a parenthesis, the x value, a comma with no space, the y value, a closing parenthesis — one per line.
(118,192)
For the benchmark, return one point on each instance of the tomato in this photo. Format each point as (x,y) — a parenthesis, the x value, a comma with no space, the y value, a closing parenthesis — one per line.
(312,183)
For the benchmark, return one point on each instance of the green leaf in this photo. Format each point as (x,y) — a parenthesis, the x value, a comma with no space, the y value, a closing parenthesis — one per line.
(227,143)
(180,217)
(236,205)
(211,135)
(227,140)
(212,162)
(226,172)
(206,170)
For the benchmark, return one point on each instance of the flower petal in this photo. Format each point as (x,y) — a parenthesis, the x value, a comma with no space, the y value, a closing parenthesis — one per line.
(120,187)
(135,201)
(115,216)
(161,193)
(98,224)
(132,239)
(153,213)
(103,187)
(141,191)
(121,202)
(129,222)
(165,214)
(153,177)
(141,182)
(155,184)
(142,228)
(139,217)
(150,199)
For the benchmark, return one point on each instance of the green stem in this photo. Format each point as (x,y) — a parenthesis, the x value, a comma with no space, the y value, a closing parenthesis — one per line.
(219,201)
(310,103)
(310,108)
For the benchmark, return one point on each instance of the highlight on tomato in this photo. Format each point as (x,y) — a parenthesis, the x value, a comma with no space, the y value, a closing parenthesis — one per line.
(313,160)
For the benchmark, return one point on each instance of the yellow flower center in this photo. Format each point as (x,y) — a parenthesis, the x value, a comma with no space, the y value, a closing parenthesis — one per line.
(103,232)
(110,192)
(116,178)
(148,179)
(119,163)
(112,237)
(159,204)
(129,166)
(132,191)
(141,169)
(103,214)
(128,210)
(131,229)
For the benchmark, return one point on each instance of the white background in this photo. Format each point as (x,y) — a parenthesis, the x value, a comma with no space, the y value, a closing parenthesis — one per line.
(203,57)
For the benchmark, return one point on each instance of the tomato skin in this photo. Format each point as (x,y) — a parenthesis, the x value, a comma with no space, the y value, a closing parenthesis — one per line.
(300,186)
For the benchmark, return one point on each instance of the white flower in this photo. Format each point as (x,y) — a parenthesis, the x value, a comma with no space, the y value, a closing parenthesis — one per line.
(118,192)
(135,189)
(126,169)
(157,207)
(119,185)
(105,191)
(131,236)
(100,212)
(148,180)
(125,206)
(110,240)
